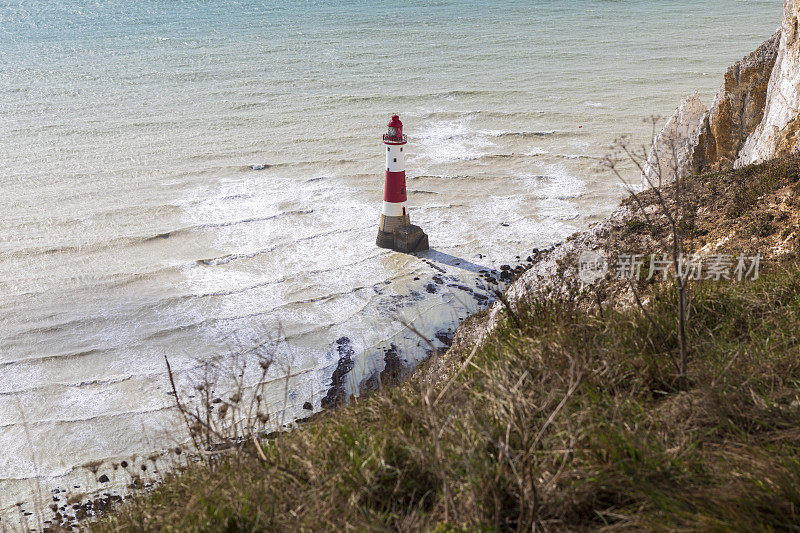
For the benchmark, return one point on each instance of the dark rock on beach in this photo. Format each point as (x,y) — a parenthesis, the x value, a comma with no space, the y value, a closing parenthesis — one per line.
(337,394)
(393,371)
(445,337)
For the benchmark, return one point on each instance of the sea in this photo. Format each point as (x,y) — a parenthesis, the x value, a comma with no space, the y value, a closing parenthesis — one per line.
(200,181)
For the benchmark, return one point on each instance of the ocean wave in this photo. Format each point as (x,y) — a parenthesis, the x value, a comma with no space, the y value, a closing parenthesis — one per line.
(474,92)
(284,164)
(482,113)
(24,224)
(579,156)
(227,258)
(457,140)
(534,133)
(536,152)
(445,141)
(44,330)
(491,157)
(425,96)
(438,206)
(290,304)
(284,279)
(560,185)
(123,242)
(225,198)
(52,357)
(119,242)
(437,177)
(256,219)
(105,416)
(250,105)
(165,235)
(98,382)
(96,283)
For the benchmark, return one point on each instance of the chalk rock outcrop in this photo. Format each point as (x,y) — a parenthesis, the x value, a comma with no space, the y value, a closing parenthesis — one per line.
(779,130)
(672,148)
(737,110)
(696,139)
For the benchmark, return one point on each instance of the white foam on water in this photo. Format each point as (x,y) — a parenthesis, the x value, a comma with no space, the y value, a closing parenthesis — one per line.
(560,184)
(446,141)
(536,152)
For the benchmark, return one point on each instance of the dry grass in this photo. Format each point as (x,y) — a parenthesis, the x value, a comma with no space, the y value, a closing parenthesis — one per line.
(568,421)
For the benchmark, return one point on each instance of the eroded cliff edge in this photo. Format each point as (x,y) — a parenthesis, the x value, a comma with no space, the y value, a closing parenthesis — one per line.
(754,117)
(778,132)
(697,139)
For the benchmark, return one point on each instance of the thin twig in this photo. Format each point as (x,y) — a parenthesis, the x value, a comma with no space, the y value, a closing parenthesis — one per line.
(179,404)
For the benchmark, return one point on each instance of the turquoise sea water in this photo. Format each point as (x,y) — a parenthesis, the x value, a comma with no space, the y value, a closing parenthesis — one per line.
(187,178)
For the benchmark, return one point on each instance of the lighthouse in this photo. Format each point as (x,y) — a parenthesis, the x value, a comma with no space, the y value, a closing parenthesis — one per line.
(395,230)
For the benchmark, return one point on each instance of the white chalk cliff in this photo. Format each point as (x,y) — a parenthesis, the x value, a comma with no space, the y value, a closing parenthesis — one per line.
(755,115)
(672,148)
(777,134)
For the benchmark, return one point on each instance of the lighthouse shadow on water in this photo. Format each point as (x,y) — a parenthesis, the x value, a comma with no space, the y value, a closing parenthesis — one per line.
(435,256)
(395,230)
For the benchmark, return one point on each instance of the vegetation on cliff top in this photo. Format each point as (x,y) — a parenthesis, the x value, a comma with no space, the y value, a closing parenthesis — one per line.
(569,417)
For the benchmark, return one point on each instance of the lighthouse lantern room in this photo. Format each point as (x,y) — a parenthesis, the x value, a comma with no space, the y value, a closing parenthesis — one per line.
(395,230)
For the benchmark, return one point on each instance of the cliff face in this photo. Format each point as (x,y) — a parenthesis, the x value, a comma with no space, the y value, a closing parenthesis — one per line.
(779,130)
(755,115)
(673,148)
(737,110)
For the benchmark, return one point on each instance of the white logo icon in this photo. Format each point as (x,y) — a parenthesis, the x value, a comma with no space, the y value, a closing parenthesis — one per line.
(591,266)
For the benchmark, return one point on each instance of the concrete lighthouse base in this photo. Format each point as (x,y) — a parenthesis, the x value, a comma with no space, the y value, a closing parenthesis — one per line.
(406,239)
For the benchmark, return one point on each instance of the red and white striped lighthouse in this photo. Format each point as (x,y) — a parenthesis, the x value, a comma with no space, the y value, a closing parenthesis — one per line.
(395,229)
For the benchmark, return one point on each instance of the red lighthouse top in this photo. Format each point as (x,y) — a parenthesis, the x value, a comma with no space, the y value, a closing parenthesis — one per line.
(395,132)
